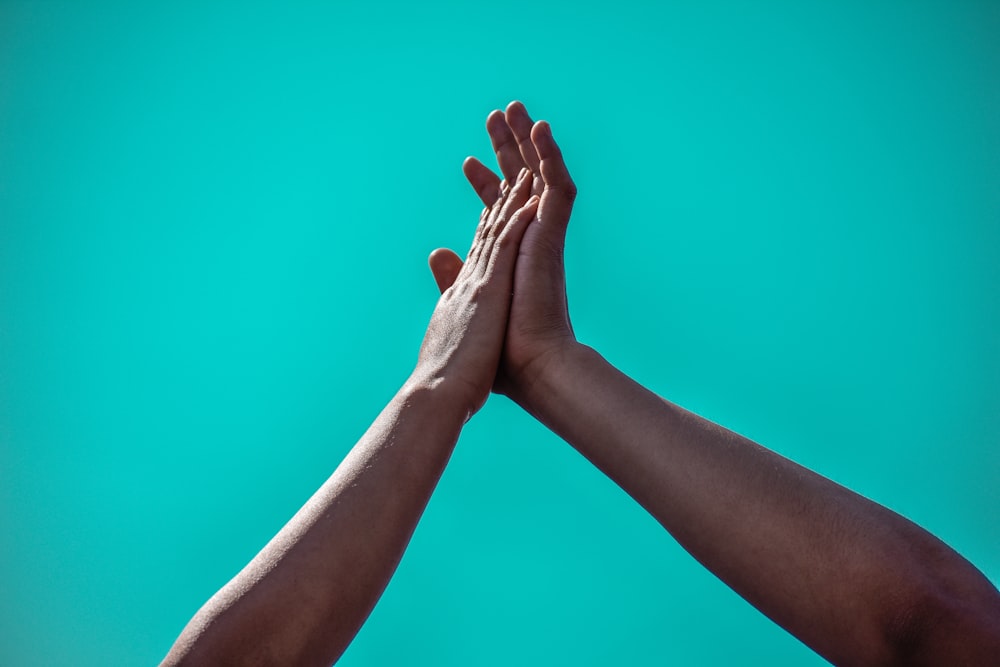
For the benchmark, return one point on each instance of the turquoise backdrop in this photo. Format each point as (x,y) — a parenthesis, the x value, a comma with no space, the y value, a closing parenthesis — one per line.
(214,223)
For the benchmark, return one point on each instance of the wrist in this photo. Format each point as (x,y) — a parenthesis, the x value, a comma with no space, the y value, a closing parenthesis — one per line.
(450,396)
(543,375)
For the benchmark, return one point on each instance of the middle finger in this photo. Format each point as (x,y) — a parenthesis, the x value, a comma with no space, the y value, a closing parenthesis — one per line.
(505,145)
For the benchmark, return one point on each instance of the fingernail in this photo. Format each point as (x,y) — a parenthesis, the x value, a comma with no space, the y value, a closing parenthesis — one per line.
(524,172)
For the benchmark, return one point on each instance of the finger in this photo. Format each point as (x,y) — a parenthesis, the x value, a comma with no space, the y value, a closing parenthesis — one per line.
(445,265)
(560,191)
(479,238)
(514,200)
(483,180)
(537,184)
(504,145)
(512,203)
(520,124)
(504,251)
(551,164)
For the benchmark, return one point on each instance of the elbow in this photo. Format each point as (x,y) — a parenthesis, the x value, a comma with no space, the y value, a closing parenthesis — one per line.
(185,653)
(946,625)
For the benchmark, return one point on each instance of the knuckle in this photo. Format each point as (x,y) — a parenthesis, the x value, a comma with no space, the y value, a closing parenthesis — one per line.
(569,189)
(567,194)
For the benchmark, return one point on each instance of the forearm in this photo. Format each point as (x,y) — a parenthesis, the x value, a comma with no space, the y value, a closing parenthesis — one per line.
(304,596)
(847,576)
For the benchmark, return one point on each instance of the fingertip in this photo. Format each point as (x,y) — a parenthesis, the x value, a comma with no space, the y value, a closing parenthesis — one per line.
(537,184)
(435,256)
(545,144)
(527,211)
(434,262)
(519,120)
(446,253)
(540,137)
(495,115)
(523,217)
(470,165)
(541,129)
(445,266)
(516,106)
(532,202)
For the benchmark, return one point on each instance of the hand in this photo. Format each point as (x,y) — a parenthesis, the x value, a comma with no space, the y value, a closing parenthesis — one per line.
(539,323)
(464,339)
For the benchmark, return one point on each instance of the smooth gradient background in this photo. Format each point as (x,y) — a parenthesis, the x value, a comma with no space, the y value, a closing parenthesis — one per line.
(214,223)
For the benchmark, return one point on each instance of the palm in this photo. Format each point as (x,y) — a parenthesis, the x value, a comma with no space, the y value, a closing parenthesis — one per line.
(539,319)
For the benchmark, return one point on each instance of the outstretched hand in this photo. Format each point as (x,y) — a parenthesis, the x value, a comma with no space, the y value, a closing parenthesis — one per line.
(539,323)
(464,340)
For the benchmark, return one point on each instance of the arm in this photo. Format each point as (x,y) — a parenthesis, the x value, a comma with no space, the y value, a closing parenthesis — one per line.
(850,578)
(853,580)
(304,596)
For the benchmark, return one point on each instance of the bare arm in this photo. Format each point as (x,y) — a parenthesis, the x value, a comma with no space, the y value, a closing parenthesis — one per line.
(850,578)
(853,580)
(305,595)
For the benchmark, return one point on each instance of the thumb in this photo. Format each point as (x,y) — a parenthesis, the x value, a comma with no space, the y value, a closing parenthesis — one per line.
(445,266)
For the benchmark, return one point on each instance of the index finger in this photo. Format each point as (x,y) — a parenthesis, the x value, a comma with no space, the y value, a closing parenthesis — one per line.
(560,191)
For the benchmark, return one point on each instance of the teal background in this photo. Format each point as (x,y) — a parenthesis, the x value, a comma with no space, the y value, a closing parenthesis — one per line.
(214,223)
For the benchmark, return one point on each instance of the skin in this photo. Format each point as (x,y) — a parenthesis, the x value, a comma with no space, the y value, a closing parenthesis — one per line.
(856,582)
(302,599)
